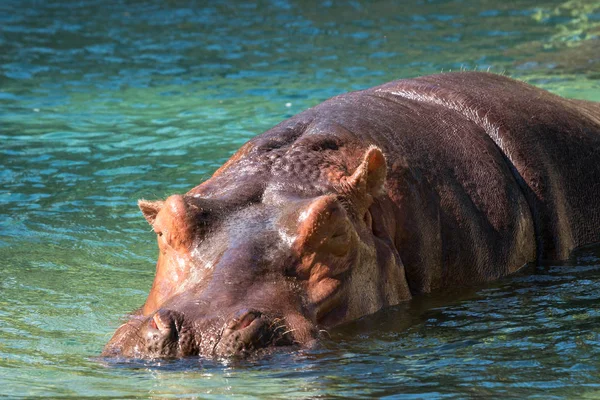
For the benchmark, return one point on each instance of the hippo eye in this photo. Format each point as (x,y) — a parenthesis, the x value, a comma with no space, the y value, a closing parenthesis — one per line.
(159,233)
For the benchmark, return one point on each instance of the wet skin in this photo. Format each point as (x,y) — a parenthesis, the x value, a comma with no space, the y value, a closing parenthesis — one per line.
(365,201)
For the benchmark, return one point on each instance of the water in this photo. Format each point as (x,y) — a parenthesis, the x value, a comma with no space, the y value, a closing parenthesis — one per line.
(102,103)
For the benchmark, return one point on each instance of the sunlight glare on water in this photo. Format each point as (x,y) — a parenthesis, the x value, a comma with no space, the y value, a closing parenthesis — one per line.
(102,103)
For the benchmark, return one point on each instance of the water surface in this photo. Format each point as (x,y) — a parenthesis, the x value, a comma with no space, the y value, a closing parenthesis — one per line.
(102,103)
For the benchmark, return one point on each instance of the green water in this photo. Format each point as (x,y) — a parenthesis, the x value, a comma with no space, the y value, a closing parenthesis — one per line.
(102,103)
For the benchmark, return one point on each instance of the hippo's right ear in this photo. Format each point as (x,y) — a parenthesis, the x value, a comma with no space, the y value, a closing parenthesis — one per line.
(370,175)
(150,209)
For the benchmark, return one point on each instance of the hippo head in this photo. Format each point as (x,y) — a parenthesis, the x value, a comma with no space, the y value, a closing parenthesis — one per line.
(237,274)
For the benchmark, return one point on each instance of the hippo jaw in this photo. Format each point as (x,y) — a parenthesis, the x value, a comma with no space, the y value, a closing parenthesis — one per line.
(264,275)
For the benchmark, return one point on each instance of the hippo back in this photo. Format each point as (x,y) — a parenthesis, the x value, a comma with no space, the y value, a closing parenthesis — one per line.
(551,144)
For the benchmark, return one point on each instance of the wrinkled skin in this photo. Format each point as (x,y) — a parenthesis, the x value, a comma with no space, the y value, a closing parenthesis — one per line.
(365,201)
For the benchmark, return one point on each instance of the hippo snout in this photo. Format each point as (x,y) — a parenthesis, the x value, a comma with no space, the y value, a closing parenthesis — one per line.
(169,334)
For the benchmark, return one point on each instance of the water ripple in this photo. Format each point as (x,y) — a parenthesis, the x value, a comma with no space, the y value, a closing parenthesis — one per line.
(102,103)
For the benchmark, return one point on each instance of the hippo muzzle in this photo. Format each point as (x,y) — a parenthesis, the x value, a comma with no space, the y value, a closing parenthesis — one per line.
(167,334)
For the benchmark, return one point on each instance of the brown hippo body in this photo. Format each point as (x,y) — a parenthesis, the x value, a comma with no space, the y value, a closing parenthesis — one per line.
(362,202)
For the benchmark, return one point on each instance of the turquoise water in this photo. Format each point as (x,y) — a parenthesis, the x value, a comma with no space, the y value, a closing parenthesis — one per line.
(102,103)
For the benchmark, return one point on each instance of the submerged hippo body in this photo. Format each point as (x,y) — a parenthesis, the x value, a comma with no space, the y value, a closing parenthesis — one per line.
(363,202)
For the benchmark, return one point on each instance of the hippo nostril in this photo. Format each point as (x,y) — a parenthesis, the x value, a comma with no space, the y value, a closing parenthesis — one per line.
(165,321)
(158,322)
(247,320)
(153,324)
(249,331)
(164,334)
(243,319)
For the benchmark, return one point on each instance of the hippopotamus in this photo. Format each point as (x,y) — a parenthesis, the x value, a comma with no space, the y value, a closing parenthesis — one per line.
(362,202)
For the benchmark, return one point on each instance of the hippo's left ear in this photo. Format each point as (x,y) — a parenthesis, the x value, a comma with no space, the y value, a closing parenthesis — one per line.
(150,209)
(370,175)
